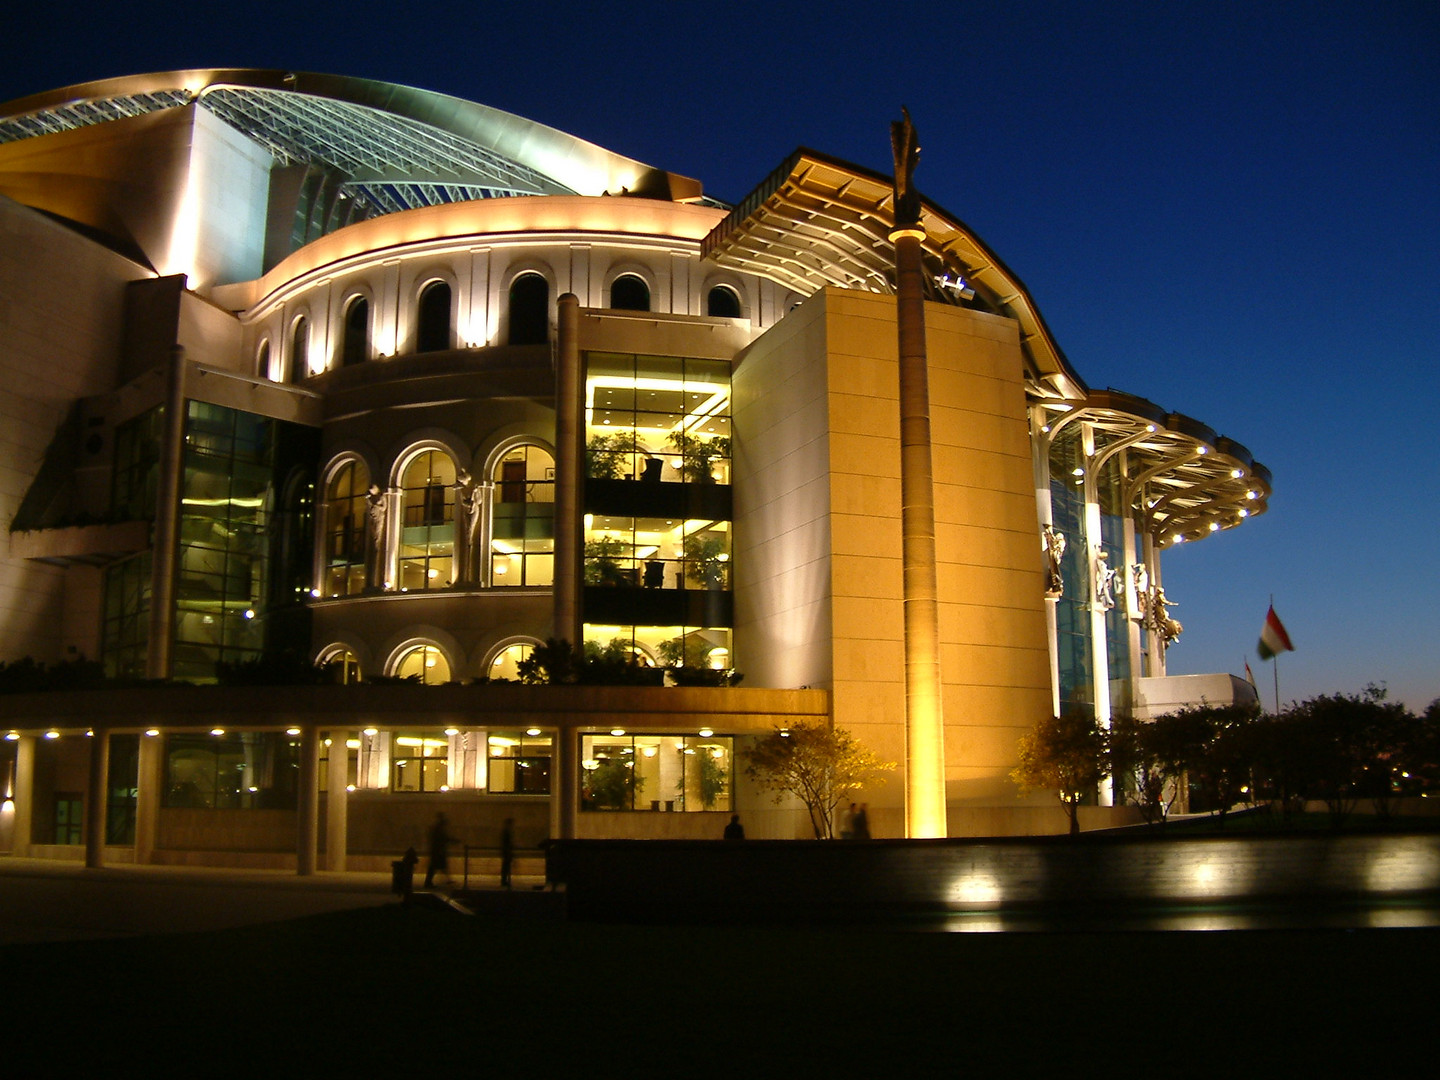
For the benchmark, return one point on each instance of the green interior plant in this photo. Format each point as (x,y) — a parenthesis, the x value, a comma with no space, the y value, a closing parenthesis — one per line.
(612,784)
(698,454)
(602,561)
(706,560)
(604,455)
(710,778)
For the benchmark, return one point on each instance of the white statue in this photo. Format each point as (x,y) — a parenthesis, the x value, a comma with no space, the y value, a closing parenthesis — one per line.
(1104,581)
(1053,542)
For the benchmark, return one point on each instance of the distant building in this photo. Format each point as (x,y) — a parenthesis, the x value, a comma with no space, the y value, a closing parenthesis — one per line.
(308,367)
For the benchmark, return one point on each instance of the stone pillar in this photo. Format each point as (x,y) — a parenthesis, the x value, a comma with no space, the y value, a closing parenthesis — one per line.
(569,464)
(307,818)
(1155,659)
(924,715)
(24,795)
(149,776)
(337,822)
(165,559)
(1099,643)
(565,784)
(97,791)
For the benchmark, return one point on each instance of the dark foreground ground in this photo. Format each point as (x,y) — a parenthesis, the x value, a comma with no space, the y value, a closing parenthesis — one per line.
(381,990)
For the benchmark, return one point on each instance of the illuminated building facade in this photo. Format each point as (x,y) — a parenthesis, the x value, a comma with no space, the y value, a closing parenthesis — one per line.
(307,366)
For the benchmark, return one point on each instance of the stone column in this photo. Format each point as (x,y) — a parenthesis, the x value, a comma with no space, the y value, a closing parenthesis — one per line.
(97,801)
(165,559)
(337,822)
(24,795)
(569,460)
(565,784)
(924,717)
(1099,643)
(307,818)
(149,777)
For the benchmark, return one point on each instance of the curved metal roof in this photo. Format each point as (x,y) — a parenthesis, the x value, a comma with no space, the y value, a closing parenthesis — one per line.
(391,147)
(1182,479)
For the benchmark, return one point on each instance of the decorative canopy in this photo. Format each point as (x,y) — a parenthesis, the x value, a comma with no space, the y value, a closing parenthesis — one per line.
(1182,479)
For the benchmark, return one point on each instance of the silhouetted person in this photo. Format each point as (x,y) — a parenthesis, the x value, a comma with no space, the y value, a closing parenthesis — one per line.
(507,851)
(861,825)
(734,831)
(847,825)
(439,851)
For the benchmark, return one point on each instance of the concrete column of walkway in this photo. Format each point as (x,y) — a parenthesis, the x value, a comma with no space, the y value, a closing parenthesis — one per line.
(96,798)
(565,784)
(24,795)
(337,833)
(307,820)
(149,776)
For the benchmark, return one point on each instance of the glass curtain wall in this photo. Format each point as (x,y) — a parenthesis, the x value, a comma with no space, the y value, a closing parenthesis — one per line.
(1112,539)
(239,546)
(1072,614)
(658,521)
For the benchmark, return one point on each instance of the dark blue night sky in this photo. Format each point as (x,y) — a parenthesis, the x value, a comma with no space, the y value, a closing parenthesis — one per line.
(1230,209)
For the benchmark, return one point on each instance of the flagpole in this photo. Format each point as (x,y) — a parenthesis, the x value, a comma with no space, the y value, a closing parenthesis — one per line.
(1275,666)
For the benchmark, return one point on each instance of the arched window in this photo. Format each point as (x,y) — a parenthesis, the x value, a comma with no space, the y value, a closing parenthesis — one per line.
(300,350)
(522,538)
(723,302)
(529,310)
(262,361)
(426,662)
(628,292)
(345,518)
(356,346)
(343,665)
(432,318)
(506,664)
(427,531)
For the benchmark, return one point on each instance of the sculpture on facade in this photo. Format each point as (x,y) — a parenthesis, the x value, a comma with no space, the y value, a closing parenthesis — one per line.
(906,147)
(1053,542)
(1140,589)
(1166,628)
(375,516)
(467,530)
(1104,581)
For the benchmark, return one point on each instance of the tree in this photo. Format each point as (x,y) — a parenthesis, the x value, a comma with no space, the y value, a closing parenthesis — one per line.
(818,764)
(1194,750)
(1065,754)
(1351,745)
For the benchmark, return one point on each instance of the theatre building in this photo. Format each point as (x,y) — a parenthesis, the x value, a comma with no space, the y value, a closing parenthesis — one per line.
(309,367)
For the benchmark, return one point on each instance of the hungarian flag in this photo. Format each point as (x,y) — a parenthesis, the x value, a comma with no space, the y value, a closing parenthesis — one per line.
(1273,638)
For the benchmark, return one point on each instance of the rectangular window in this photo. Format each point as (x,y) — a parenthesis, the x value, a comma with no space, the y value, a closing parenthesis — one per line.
(664,773)
(518,763)
(69,818)
(232,771)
